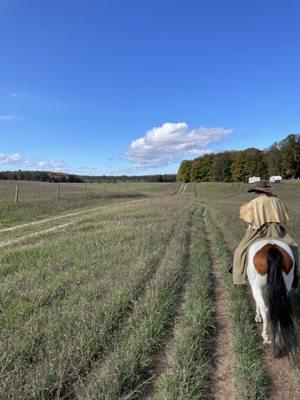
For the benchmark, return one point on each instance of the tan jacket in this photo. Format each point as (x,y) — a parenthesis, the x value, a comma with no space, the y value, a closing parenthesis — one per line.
(264,209)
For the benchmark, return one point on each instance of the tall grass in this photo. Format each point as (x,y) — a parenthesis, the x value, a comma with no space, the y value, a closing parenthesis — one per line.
(71,304)
(125,370)
(189,366)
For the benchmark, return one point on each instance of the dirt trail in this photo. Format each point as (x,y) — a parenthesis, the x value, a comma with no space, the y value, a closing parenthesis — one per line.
(16,240)
(43,221)
(50,219)
(222,381)
(35,234)
(284,384)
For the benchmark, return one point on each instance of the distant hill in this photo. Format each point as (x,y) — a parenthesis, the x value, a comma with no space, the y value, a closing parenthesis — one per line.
(281,158)
(48,176)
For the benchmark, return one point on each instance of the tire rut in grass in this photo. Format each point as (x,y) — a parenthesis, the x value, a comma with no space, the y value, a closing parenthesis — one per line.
(81,216)
(222,381)
(160,361)
(183,366)
(35,234)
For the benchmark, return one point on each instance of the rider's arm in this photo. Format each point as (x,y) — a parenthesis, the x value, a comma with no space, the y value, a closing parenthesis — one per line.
(246,212)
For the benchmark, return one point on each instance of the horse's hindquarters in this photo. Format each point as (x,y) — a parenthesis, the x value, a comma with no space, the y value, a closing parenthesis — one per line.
(271,267)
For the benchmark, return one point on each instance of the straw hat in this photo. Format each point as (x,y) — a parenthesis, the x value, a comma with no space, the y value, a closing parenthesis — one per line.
(261,187)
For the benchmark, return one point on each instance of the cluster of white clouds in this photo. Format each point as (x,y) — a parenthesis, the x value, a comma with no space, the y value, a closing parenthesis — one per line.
(19,161)
(171,142)
(158,147)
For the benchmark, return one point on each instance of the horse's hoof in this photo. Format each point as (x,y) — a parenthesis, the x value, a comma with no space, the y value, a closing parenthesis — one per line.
(258,318)
(267,341)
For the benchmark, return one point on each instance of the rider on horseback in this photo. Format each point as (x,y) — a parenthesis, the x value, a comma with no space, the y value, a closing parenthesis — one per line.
(267,218)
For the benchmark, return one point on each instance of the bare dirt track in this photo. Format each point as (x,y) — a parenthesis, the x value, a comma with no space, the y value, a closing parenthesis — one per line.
(222,382)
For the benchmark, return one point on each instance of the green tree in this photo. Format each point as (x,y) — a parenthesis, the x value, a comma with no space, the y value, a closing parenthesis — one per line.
(195,173)
(273,157)
(221,167)
(205,171)
(184,171)
(290,150)
(255,164)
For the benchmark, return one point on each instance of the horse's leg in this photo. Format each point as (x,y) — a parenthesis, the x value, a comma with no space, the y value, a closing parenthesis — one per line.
(258,296)
(258,317)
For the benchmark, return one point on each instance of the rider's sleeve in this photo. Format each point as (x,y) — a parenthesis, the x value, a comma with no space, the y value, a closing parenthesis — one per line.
(246,212)
(282,212)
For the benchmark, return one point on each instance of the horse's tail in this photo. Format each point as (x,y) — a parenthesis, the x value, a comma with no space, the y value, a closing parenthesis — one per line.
(280,310)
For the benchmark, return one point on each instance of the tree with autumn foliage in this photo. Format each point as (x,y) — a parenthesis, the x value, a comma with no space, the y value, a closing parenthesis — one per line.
(281,158)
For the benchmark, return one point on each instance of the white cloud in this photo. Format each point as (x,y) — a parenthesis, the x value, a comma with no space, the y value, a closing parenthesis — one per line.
(8,117)
(18,160)
(170,142)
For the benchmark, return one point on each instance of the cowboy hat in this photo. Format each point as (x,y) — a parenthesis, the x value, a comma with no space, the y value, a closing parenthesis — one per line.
(261,187)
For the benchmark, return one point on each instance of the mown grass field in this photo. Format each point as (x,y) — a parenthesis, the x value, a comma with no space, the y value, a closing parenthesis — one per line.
(114,298)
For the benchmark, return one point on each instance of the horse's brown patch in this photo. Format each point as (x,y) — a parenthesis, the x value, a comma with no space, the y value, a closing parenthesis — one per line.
(260,259)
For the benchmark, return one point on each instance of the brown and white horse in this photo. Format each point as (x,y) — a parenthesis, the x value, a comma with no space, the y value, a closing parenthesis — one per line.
(270,272)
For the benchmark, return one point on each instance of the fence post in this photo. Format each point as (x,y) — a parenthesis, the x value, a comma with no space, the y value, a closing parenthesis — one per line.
(17,193)
(84,187)
(105,187)
(57,191)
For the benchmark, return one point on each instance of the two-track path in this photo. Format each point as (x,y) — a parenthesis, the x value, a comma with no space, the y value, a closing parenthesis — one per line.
(41,226)
(221,380)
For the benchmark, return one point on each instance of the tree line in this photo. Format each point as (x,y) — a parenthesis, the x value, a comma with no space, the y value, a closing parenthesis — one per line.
(281,158)
(61,177)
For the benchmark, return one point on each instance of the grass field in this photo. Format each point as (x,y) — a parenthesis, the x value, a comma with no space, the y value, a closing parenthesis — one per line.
(39,200)
(112,295)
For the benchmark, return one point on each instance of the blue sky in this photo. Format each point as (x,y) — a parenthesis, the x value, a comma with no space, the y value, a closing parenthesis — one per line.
(112,87)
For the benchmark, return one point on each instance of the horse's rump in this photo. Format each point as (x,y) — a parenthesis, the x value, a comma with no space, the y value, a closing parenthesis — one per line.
(260,257)
(271,266)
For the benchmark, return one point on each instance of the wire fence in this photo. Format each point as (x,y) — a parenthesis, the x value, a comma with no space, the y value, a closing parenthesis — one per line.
(15,191)
(26,190)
